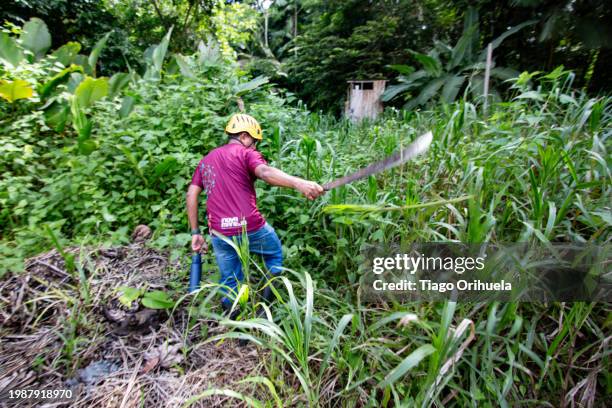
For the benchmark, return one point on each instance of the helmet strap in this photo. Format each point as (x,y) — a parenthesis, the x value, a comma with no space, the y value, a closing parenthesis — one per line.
(237,138)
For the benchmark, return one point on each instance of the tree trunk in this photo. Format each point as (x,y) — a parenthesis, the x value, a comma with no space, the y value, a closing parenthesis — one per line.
(487,78)
(295,23)
(295,18)
(266,28)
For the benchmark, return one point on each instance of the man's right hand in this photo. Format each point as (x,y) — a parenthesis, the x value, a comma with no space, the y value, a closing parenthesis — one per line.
(310,189)
(199,244)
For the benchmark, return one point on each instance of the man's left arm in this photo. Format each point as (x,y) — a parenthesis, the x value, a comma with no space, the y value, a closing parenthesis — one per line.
(197,240)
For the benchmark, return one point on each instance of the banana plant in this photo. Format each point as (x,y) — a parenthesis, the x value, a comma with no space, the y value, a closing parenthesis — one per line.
(447,70)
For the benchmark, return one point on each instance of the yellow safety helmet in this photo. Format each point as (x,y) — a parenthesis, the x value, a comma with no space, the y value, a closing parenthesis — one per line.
(244,123)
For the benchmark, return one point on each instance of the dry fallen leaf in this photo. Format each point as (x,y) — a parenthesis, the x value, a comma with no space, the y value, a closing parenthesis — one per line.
(149,365)
(141,233)
(165,354)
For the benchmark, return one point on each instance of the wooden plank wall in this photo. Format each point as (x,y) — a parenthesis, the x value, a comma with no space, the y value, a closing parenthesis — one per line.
(364,103)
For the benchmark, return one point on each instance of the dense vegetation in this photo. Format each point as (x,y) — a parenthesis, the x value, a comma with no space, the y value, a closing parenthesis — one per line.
(313,43)
(86,158)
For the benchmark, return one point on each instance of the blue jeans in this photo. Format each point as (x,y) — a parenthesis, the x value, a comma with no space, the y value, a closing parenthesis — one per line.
(262,242)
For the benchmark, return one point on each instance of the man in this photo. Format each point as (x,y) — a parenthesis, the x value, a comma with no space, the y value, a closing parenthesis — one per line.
(227,175)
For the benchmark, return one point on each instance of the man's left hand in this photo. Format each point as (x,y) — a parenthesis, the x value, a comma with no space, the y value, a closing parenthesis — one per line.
(199,244)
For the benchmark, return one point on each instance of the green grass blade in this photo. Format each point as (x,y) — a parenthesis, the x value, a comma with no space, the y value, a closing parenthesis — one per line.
(407,364)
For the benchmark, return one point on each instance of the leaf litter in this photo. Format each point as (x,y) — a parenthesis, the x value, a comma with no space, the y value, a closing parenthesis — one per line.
(108,355)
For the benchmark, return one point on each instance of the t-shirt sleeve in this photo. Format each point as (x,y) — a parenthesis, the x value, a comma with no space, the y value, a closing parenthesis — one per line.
(254,159)
(196,179)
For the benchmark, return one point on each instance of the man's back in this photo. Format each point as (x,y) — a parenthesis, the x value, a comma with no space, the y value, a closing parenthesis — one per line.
(227,176)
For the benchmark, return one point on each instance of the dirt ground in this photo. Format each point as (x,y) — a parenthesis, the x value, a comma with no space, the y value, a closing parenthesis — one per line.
(58,334)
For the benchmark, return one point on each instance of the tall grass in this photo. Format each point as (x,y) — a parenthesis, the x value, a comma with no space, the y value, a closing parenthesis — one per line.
(537,169)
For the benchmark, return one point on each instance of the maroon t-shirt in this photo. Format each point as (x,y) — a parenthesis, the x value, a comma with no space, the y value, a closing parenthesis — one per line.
(227,177)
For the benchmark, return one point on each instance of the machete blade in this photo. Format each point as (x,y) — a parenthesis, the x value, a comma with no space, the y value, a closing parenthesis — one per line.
(420,145)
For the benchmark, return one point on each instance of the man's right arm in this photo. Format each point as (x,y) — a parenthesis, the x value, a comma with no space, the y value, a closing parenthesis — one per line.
(276,177)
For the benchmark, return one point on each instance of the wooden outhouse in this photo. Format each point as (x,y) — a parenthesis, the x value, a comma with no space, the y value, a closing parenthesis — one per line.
(363,99)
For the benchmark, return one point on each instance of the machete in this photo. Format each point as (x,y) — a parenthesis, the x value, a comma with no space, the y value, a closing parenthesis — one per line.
(420,145)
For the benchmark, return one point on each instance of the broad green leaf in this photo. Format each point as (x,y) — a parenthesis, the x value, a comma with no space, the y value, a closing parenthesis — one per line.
(81,60)
(56,116)
(157,299)
(402,69)
(431,64)
(461,52)
(407,364)
(243,88)
(117,82)
(80,123)
(394,90)
(91,90)
(470,21)
(159,53)
(555,74)
(208,52)
(84,129)
(406,83)
(127,104)
(551,25)
(443,48)
(35,37)
(10,53)
(75,79)
(86,147)
(92,60)
(62,76)
(414,77)
(451,88)
(67,53)
(184,66)
(14,90)
(427,93)
(165,166)
(128,295)
(147,55)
